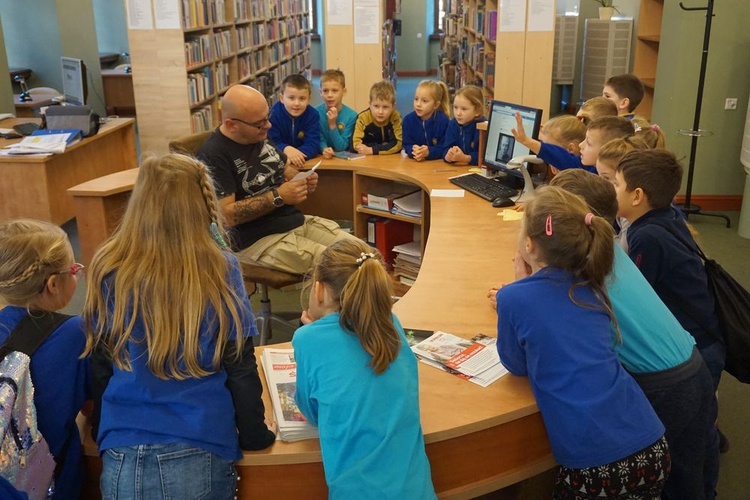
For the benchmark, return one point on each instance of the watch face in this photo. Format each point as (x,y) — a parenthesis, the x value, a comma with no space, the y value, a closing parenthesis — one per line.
(278,201)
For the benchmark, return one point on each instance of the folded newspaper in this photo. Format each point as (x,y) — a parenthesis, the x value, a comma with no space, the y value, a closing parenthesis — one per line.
(475,359)
(281,375)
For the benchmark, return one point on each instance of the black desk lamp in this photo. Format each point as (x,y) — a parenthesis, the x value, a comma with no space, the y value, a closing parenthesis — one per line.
(24,96)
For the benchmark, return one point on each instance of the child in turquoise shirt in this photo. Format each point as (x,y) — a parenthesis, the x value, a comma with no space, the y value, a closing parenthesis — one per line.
(336,118)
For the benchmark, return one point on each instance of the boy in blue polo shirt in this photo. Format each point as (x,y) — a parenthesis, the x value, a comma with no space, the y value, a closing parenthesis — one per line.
(336,118)
(295,127)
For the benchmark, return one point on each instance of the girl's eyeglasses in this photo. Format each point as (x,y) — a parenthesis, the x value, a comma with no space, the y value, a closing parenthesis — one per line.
(72,270)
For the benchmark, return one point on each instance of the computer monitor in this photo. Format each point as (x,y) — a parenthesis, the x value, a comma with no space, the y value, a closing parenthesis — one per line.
(501,145)
(75,89)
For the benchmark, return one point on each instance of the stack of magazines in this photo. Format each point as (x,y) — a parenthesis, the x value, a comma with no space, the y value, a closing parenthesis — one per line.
(407,262)
(409,205)
(281,375)
(475,359)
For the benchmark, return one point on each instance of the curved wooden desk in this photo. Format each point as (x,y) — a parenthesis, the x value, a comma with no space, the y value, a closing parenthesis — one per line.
(478,439)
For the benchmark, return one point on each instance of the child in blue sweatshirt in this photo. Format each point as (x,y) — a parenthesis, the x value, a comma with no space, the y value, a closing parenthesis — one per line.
(424,128)
(295,125)
(462,141)
(598,133)
(336,118)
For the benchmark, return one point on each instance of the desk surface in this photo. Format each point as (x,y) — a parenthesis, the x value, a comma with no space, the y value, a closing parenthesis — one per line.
(478,439)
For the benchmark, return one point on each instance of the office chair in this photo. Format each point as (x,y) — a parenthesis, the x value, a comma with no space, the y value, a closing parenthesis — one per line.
(259,277)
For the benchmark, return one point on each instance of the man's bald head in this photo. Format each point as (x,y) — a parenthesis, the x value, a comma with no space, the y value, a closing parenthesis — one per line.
(242,107)
(241,100)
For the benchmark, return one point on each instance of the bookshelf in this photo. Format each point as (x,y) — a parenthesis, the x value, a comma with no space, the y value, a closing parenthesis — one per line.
(606,52)
(180,74)
(648,36)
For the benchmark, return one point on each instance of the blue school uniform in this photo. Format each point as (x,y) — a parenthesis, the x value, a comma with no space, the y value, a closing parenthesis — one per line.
(594,412)
(465,137)
(340,138)
(430,132)
(370,433)
(302,132)
(561,158)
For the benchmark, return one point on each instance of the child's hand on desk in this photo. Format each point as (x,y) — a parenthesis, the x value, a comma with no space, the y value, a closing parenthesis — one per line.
(272,426)
(419,153)
(328,153)
(364,150)
(295,156)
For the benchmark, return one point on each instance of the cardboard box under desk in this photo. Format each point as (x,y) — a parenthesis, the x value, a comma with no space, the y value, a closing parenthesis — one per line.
(381,197)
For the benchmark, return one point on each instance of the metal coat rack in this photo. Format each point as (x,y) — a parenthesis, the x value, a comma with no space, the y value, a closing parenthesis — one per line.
(696,132)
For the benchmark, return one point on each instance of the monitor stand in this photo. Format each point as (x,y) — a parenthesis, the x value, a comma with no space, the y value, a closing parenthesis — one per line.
(528,185)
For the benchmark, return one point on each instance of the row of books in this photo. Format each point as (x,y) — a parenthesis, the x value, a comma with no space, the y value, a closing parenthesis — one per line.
(201,119)
(200,86)
(407,262)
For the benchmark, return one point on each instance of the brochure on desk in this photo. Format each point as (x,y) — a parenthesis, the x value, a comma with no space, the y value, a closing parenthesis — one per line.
(44,142)
(475,359)
(280,369)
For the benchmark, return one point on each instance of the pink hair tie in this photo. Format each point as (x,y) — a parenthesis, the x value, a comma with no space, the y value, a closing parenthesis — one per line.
(655,127)
(589,217)
(548,225)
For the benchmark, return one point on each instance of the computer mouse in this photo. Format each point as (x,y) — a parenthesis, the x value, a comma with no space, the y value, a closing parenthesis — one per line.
(502,202)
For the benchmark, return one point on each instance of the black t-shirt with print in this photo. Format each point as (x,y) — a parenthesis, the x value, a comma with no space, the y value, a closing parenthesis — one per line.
(246,171)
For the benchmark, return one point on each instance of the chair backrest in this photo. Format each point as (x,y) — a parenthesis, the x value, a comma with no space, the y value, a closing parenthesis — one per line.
(190,144)
(122,66)
(44,91)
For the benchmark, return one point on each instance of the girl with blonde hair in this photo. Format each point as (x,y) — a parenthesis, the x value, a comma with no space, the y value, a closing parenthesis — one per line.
(462,140)
(38,276)
(357,380)
(602,429)
(425,128)
(652,135)
(168,323)
(595,108)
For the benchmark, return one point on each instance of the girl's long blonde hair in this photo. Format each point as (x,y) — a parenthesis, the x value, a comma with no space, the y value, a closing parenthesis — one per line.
(440,93)
(361,286)
(30,251)
(161,267)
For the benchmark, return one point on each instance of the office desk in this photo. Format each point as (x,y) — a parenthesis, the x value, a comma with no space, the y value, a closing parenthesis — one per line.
(477,439)
(35,186)
(28,108)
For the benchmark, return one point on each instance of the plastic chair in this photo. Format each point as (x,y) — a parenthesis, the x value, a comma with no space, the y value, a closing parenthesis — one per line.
(46,91)
(253,274)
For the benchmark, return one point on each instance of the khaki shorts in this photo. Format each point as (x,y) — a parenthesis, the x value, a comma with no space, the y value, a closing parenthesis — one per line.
(295,251)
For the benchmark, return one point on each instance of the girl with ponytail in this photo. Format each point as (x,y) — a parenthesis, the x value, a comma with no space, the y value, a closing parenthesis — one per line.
(357,380)
(602,429)
(169,327)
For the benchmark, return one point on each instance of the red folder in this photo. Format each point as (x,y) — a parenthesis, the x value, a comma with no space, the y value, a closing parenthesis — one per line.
(388,234)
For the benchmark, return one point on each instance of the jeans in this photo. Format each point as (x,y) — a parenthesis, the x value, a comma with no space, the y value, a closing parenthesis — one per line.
(166,471)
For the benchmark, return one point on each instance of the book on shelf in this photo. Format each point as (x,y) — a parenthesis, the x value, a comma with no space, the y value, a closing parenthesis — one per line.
(475,359)
(348,155)
(409,205)
(280,369)
(381,197)
(407,262)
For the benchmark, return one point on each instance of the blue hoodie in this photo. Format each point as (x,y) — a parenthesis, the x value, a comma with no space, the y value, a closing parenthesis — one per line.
(465,137)
(561,158)
(302,132)
(429,132)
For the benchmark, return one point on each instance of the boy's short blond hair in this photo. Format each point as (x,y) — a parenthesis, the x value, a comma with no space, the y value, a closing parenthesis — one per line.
(384,91)
(333,75)
(596,107)
(566,128)
(296,81)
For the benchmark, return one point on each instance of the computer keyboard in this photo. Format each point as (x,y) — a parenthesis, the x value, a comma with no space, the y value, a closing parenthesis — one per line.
(489,189)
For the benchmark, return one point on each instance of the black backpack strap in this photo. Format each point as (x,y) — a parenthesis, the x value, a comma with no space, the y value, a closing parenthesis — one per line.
(31,331)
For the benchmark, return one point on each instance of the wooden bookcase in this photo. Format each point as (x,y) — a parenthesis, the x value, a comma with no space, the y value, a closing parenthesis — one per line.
(648,36)
(514,66)
(180,74)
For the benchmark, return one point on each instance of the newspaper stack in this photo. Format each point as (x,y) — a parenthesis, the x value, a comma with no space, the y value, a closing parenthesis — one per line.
(407,262)
(475,360)
(281,375)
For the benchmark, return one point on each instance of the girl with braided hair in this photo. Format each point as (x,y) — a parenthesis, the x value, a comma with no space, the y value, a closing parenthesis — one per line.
(169,327)
(602,430)
(357,380)
(38,277)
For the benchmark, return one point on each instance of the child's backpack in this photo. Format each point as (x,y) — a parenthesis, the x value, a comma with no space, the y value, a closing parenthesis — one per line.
(732,306)
(25,459)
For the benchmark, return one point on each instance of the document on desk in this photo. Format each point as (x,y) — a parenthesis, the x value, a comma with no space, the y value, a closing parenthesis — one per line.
(43,144)
(447,193)
(306,173)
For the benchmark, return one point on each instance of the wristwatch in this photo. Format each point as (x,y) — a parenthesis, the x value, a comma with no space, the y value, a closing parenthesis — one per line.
(278,201)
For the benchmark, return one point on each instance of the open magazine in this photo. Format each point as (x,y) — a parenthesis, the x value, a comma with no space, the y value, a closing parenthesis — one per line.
(281,375)
(475,359)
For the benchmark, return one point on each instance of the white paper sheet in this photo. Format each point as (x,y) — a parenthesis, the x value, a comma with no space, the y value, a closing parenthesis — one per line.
(339,12)
(167,14)
(366,25)
(541,15)
(139,14)
(447,193)
(512,16)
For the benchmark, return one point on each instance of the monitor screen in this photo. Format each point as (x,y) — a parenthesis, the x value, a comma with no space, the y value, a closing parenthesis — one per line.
(74,80)
(501,145)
